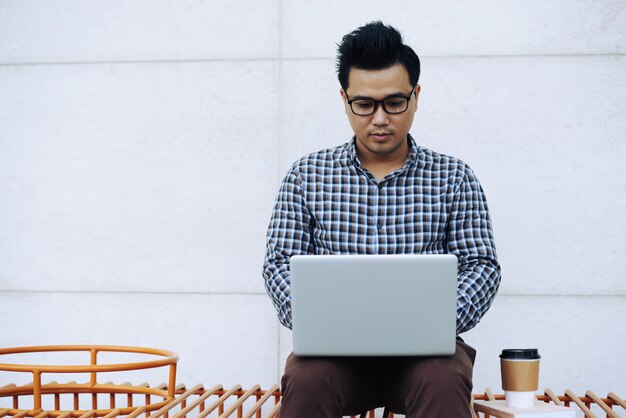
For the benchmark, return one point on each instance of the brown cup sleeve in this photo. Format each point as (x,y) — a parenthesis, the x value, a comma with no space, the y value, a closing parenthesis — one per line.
(520,376)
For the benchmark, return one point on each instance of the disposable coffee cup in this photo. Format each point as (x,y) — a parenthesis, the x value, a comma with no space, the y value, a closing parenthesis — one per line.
(520,376)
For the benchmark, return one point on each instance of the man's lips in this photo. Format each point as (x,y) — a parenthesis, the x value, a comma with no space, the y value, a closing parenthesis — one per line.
(380,135)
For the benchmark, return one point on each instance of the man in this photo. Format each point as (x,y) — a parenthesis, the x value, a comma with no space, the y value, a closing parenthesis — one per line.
(380,193)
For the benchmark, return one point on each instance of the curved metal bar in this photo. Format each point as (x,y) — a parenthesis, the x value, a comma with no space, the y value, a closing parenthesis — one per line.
(71,388)
(99,412)
(87,348)
(169,360)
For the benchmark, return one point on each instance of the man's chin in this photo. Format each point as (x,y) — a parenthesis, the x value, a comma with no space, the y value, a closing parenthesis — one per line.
(386,145)
(382,147)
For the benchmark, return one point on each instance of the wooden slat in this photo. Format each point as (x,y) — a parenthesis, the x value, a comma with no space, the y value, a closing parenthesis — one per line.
(219,402)
(580,403)
(274,410)
(198,401)
(113,413)
(489,394)
(261,401)
(246,407)
(168,407)
(140,410)
(553,397)
(610,413)
(161,386)
(239,402)
(612,396)
(474,412)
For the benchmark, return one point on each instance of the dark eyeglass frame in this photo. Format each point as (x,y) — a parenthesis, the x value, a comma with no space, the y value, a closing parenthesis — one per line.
(381,102)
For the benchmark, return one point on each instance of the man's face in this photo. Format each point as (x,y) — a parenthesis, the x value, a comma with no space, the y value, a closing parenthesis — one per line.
(381,135)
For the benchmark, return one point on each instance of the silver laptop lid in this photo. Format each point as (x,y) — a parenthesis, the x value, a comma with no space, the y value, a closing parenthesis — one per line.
(374,305)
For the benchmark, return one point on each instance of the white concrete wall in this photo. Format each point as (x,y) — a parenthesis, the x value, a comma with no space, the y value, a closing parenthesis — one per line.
(142,144)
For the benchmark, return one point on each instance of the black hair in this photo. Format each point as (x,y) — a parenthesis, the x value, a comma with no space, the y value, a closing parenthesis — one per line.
(375,46)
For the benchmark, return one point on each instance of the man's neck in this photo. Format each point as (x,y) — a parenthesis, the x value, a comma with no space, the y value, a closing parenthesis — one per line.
(382,164)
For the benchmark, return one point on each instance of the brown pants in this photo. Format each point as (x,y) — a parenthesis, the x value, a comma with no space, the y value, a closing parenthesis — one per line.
(418,387)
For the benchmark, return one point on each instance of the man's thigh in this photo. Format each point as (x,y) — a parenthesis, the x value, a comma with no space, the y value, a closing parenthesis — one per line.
(421,380)
(356,384)
(353,383)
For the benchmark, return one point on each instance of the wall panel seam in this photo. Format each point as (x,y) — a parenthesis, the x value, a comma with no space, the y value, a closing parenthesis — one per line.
(131,62)
(279,152)
(130,292)
(282,59)
(262,293)
(422,56)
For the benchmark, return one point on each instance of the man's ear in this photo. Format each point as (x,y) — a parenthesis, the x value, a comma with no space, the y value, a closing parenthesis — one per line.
(342,93)
(416,92)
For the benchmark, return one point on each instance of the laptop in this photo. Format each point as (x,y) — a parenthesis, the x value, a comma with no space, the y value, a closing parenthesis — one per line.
(374,305)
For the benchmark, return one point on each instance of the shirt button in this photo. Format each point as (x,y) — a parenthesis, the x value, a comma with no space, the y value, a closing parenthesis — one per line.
(379,185)
(379,227)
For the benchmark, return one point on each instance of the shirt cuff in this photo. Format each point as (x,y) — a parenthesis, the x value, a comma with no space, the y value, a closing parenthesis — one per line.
(284,313)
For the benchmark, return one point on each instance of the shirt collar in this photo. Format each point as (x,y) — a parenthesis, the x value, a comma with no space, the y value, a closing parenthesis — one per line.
(410,159)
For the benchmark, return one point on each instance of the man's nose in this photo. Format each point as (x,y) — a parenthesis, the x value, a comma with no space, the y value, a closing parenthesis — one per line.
(380,116)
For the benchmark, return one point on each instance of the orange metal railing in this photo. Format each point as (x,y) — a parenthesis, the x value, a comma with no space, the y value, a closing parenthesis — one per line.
(178,401)
(37,389)
(221,402)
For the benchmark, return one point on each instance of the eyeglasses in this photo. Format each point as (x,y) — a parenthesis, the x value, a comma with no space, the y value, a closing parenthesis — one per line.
(394,104)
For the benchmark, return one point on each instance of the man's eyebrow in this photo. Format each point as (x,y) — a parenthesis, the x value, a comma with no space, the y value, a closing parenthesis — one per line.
(399,94)
(361,98)
(391,96)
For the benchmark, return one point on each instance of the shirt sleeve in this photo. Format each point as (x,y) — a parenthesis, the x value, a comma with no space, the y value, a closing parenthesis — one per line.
(288,234)
(470,238)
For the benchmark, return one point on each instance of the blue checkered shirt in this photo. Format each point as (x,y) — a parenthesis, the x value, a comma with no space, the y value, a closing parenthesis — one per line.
(329,204)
